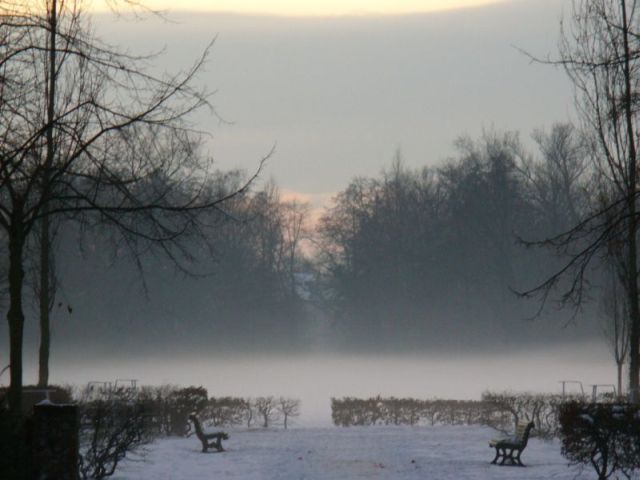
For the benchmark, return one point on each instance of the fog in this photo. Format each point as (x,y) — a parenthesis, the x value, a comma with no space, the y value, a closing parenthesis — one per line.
(424,302)
(315,378)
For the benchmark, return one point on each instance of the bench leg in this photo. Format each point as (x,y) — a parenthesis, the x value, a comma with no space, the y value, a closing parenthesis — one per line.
(495,460)
(518,461)
(218,445)
(505,456)
(508,454)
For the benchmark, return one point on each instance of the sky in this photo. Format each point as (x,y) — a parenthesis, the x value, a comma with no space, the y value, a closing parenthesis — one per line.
(338,95)
(313,7)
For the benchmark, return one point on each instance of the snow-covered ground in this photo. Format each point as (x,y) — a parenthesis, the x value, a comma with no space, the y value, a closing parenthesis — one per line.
(398,453)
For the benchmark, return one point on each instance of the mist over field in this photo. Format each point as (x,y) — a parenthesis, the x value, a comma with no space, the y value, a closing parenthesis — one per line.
(109,305)
(315,378)
(409,136)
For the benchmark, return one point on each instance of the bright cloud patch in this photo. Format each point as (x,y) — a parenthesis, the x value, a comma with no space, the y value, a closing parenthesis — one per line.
(317,7)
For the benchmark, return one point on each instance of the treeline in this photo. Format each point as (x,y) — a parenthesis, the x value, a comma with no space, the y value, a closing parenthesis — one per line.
(433,255)
(411,259)
(239,291)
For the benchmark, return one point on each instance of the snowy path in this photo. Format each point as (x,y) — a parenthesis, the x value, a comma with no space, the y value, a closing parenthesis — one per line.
(402,453)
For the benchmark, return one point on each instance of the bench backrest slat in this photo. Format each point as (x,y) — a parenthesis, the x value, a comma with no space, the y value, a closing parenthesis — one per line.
(198,427)
(523,429)
(520,429)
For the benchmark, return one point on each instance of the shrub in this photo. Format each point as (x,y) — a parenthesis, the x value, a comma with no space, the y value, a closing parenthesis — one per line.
(350,411)
(225,411)
(605,436)
(15,446)
(497,410)
(110,426)
(157,405)
(507,408)
(182,403)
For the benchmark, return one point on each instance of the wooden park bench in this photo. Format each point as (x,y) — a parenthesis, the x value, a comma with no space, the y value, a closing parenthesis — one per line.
(510,448)
(208,440)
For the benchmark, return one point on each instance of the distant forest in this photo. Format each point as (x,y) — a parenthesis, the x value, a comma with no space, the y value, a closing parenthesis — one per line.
(411,260)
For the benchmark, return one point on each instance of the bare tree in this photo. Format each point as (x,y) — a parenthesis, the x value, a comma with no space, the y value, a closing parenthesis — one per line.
(249,411)
(556,182)
(88,133)
(295,229)
(288,407)
(600,52)
(266,407)
(46,286)
(43,281)
(615,326)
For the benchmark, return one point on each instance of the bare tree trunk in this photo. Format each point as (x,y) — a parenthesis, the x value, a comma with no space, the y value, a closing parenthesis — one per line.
(15,316)
(634,307)
(45,239)
(634,319)
(90,125)
(634,310)
(45,305)
(620,365)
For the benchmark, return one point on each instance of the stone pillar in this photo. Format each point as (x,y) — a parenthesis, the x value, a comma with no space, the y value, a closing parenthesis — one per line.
(55,441)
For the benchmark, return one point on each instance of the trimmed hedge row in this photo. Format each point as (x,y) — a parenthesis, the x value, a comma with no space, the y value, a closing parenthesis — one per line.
(497,410)
(168,408)
(350,411)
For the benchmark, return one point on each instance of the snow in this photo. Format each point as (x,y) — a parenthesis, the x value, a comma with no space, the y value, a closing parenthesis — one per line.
(398,453)
(48,403)
(587,418)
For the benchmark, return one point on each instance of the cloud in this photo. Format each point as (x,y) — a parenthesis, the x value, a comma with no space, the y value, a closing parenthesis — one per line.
(315,8)
(318,202)
(337,96)
(315,199)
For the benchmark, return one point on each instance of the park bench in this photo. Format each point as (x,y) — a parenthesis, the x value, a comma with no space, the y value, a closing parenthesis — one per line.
(510,448)
(208,440)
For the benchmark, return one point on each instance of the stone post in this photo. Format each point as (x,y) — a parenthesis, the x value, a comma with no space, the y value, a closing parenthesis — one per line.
(55,441)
